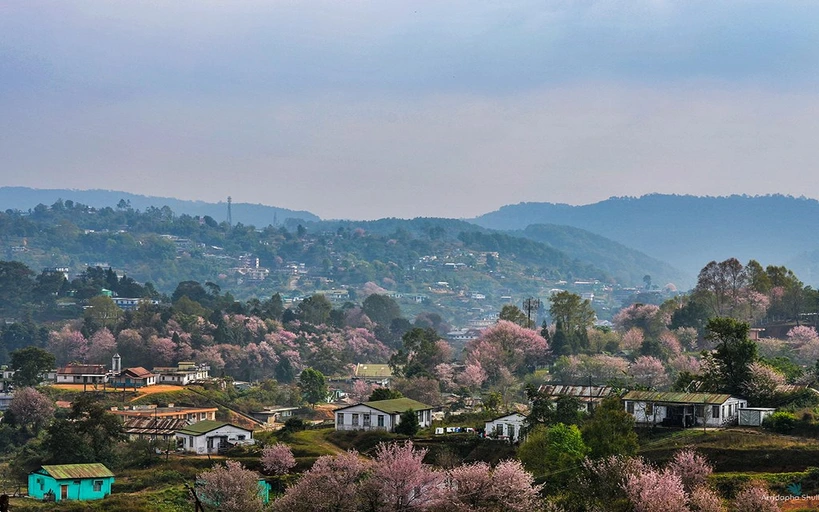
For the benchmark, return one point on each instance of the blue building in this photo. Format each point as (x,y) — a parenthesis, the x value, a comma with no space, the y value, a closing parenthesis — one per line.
(71,482)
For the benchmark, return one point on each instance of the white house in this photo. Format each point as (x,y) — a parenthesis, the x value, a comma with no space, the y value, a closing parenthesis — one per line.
(82,374)
(381,415)
(506,427)
(680,409)
(211,436)
(754,416)
(182,374)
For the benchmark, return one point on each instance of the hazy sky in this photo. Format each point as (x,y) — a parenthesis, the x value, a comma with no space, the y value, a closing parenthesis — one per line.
(367,109)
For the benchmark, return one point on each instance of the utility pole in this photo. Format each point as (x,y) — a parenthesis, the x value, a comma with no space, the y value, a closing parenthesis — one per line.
(530,304)
(230,213)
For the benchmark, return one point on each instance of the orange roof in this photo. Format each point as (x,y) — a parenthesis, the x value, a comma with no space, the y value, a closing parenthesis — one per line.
(138,372)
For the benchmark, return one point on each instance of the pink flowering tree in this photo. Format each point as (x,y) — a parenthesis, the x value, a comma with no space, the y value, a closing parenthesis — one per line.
(31,409)
(400,481)
(361,391)
(670,343)
(649,372)
(704,499)
(278,459)
(67,345)
(472,377)
(692,468)
(509,346)
(802,334)
(101,347)
(647,317)
(762,382)
(754,499)
(230,487)
(653,490)
(632,339)
(333,484)
(476,487)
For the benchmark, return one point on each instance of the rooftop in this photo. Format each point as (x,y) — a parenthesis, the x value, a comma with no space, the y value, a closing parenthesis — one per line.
(395,406)
(203,427)
(77,471)
(677,397)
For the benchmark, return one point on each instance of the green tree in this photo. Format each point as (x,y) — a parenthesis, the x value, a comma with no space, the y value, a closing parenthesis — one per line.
(571,311)
(419,355)
(553,451)
(610,430)
(102,311)
(315,309)
(88,434)
(733,355)
(408,424)
(29,364)
(381,309)
(313,386)
(513,314)
(384,394)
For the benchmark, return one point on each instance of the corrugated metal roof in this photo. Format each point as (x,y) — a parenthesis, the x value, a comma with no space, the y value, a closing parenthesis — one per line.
(677,397)
(78,471)
(159,426)
(577,391)
(205,426)
(80,369)
(373,370)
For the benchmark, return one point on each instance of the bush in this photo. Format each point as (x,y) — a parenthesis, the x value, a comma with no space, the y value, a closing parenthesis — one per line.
(781,422)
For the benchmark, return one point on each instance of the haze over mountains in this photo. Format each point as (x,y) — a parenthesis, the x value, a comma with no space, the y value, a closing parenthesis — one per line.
(669,237)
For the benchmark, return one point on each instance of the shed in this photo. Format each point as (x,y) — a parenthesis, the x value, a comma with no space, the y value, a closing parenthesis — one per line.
(71,482)
(754,416)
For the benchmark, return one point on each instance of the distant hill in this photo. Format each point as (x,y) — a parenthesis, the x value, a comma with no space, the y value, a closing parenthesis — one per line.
(627,266)
(259,215)
(689,231)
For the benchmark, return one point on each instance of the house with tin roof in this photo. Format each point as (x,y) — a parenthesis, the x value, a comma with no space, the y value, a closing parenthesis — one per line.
(681,409)
(212,436)
(137,377)
(70,482)
(381,414)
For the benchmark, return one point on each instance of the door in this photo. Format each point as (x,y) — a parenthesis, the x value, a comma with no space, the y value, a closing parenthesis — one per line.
(63,492)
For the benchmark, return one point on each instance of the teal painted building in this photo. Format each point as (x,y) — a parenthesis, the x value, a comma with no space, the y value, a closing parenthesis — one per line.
(71,482)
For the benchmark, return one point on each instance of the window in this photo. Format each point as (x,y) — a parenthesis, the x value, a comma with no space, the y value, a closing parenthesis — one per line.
(699,411)
(241,437)
(649,409)
(380,420)
(715,411)
(366,420)
(355,419)
(630,407)
(340,419)
(97,485)
(42,484)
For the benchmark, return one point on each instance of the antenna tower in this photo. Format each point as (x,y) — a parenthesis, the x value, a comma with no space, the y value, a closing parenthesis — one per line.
(230,214)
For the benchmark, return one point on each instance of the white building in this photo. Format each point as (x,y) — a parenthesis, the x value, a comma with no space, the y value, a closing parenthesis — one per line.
(381,415)
(211,436)
(679,409)
(82,374)
(184,373)
(754,416)
(506,427)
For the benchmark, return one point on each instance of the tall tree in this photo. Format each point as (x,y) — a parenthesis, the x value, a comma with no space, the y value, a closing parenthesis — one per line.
(313,386)
(381,309)
(610,430)
(734,352)
(30,364)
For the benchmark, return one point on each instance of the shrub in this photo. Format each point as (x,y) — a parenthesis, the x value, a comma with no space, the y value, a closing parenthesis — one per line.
(781,422)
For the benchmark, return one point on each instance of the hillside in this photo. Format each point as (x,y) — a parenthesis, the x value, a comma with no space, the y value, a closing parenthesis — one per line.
(624,264)
(23,198)
(686,231)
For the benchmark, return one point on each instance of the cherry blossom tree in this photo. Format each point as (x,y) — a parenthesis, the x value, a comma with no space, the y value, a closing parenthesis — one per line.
(703,499)
(67,345)
(509,346)
(231,487)
(361,391)
(472,377)
(653,490)
(754,499)
(632,339)
(31,409)
(476,487)
(802,334)
(692,468)
(333,484)
(649,318)
(762,382)
(102,346)
(278,459)
(670,343)
(649,371)
(400,481)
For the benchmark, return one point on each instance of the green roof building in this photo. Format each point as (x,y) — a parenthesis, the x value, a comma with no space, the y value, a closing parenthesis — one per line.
(381,414)
(71,482)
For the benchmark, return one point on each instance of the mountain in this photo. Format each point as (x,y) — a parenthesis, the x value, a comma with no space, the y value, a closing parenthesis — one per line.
(626,265)
(23,198)
(688,231)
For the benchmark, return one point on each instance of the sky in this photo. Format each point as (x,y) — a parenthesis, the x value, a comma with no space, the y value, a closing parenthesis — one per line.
(368,109)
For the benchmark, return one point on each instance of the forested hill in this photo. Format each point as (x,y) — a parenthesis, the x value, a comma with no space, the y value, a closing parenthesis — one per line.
(23,198)
(687,230)
(624,264)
